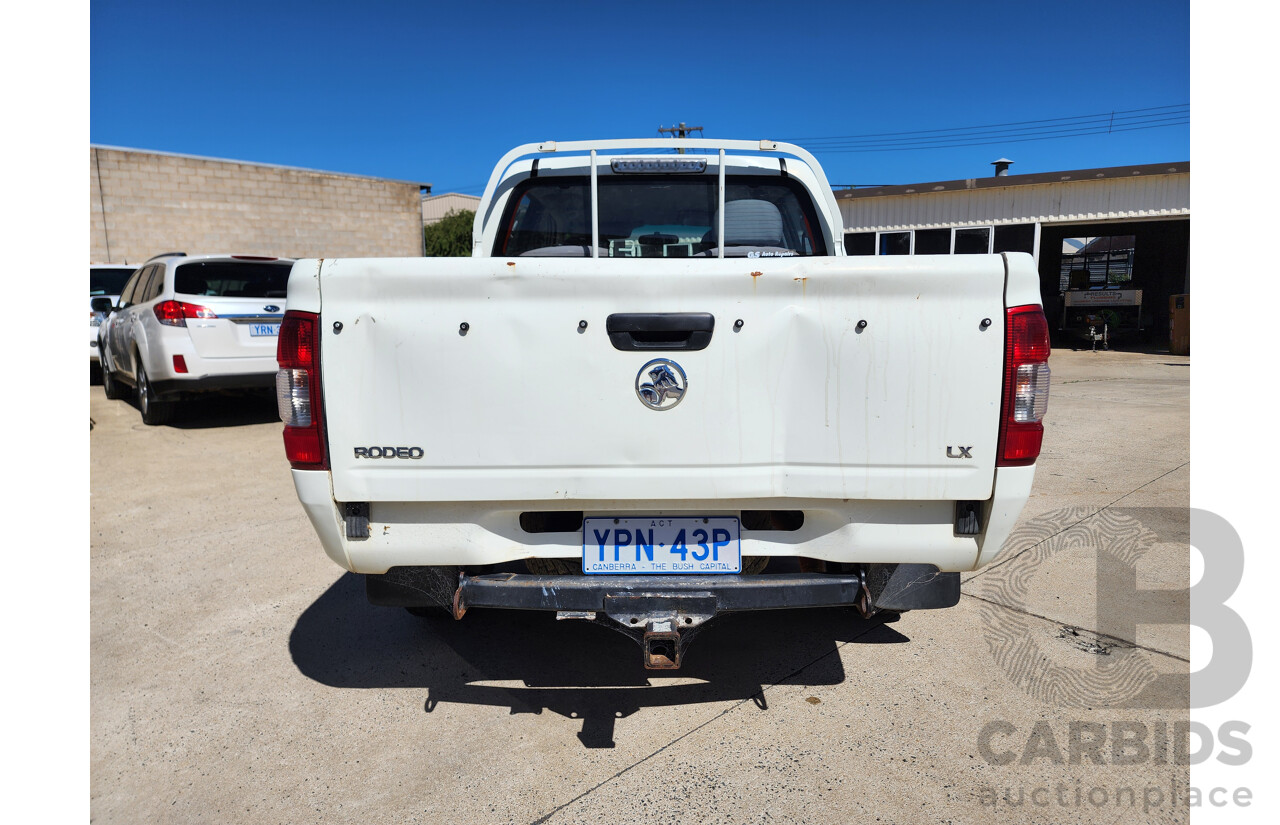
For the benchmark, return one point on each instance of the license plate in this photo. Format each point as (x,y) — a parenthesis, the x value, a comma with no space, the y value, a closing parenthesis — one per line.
(661,545)
(257,330)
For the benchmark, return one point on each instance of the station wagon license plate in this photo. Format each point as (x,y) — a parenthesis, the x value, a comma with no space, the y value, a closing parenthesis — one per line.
(671,546)
(257,330)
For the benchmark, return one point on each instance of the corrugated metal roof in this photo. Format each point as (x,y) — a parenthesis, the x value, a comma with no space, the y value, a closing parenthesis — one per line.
(1117,193)
(994,181)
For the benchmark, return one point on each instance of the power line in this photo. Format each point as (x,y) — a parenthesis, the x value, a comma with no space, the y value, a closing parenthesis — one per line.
(1104,123)
(996,141)
(996,125)
(1127,120)
(468,189)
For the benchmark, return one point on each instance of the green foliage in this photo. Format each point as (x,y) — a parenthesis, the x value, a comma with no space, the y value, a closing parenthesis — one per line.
(450,237)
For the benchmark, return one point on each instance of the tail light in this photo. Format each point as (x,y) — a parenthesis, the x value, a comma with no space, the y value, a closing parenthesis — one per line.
(298,391)
(1025,396)
(175,313)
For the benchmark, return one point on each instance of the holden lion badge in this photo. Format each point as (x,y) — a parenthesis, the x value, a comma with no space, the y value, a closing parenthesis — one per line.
(665,386)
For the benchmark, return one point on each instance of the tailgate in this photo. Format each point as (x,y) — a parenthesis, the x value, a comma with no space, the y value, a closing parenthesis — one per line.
(244,328)
(800,402)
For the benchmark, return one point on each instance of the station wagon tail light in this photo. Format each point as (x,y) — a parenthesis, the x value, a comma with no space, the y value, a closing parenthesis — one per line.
(1025,394)
(298,390)
(175,313)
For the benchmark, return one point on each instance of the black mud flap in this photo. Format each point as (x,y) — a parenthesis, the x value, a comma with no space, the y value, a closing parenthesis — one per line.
(413,587)
(911,587)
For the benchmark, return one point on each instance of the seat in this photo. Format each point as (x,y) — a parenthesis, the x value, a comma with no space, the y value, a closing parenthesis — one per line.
(748,222)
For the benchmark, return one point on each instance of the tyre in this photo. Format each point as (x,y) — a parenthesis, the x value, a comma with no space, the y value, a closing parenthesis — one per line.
(112,386)
(153,411)
(554,567)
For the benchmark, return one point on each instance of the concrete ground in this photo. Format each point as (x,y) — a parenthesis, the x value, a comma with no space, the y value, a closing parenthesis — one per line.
(238,676)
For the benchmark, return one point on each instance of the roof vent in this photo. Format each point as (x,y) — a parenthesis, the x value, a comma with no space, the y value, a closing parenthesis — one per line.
(1002,167)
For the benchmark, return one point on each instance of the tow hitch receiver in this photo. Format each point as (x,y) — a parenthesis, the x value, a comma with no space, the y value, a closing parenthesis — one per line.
(663,624)
(661,646)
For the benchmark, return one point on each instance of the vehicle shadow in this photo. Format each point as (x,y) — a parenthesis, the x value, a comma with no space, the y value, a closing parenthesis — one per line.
(576,669)
(227,410)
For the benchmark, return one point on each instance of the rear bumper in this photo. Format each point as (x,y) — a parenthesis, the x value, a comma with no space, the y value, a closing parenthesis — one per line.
(663,613)
(469,534)
(702,595)
(176,388)
(202,374)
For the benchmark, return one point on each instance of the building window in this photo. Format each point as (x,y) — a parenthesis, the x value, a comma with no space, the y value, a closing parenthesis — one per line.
(933,241)
(972,241)
(969,240)
(1018,237)
(860,243)
(895,243)
(1097,262)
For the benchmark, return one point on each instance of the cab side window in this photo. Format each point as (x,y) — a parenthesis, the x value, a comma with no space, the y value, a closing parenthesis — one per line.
(154,284)
(131,288)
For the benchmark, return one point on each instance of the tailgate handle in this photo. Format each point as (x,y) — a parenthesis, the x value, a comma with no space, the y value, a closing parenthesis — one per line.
(633,331)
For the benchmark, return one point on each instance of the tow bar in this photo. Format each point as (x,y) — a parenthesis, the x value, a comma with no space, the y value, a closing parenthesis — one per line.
(663,614)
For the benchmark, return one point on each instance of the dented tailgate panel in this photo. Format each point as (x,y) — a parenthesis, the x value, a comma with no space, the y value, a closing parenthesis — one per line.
(803,400)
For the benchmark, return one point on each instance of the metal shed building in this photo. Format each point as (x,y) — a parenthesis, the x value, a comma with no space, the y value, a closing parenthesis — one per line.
(1124,226)
(435,207)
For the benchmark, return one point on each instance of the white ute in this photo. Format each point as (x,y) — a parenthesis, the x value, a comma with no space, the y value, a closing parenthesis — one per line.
(611,413)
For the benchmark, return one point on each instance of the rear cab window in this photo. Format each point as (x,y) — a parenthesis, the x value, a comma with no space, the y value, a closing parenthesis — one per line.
(660,216)
(232,279)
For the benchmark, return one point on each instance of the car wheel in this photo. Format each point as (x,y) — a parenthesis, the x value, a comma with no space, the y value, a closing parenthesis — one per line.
(153,411)
(554,567)
(111,386)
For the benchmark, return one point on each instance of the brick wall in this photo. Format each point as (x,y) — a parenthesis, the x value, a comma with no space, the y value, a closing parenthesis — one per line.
(144,203)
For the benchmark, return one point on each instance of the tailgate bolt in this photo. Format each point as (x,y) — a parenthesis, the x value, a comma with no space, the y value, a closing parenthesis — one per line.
(463,327)
(986,322)
(582,325)
(737,325)
(862,325)
(337,327)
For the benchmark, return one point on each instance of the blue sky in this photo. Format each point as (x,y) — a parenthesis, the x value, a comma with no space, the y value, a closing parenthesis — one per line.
(437,92)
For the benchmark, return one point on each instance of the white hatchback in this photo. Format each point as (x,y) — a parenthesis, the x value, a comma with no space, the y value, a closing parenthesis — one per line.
(187,324)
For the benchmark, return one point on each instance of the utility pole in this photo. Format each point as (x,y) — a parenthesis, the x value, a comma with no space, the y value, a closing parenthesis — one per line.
(681,131)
